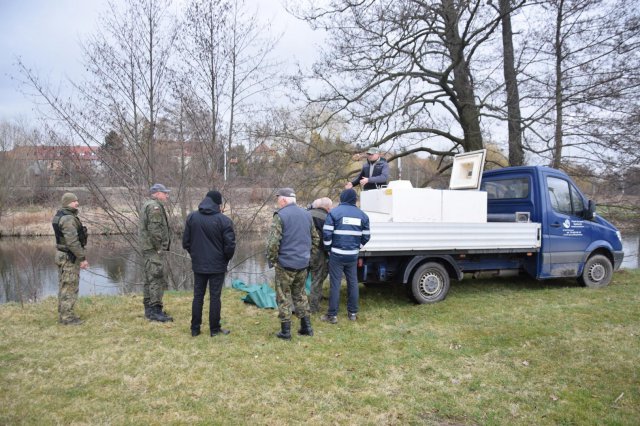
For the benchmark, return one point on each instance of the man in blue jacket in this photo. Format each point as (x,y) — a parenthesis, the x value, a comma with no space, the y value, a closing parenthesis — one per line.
(210,240)
(345,232)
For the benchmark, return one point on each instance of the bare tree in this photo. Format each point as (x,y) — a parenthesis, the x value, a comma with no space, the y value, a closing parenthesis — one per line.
(225,60)
(403,70)
(583,81)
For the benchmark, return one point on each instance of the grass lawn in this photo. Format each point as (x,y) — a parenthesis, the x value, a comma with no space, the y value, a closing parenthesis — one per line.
(507,351)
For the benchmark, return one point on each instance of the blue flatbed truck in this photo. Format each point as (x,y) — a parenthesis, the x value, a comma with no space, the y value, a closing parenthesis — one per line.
(538,222)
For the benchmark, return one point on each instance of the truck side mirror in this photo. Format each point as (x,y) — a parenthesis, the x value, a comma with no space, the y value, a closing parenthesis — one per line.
(590,212)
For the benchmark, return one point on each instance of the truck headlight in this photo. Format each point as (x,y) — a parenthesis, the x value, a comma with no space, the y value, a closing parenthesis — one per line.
(619,235)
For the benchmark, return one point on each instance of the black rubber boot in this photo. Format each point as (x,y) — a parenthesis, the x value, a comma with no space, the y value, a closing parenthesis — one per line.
(305,327)
(285,332)
(147,311)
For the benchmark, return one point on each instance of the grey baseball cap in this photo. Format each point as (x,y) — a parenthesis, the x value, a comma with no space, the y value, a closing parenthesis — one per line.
(158,187)
(285,192)
(373,150)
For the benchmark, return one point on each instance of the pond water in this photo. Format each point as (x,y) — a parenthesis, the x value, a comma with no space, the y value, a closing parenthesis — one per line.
(28,273)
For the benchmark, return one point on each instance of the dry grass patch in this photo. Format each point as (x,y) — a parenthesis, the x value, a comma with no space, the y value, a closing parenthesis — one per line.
(495,352)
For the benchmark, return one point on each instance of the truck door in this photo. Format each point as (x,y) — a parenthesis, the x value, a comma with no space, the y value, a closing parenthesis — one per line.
(567,234)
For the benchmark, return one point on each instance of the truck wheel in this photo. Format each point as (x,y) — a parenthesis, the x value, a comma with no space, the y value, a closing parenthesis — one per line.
(597,272)
(430,283)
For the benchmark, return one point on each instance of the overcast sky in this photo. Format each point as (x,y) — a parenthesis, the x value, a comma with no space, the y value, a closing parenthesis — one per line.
(46,35)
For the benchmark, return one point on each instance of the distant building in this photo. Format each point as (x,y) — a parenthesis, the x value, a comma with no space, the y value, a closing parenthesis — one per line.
(55,164)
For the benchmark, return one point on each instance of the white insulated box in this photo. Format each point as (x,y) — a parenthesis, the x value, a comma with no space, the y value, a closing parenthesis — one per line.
(402,203)
(464,206)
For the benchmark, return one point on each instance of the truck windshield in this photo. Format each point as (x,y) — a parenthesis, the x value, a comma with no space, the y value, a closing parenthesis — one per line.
(512,188)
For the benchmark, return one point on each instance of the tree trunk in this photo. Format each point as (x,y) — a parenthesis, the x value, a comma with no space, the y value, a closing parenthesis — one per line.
(516,152)
(462,84)
(557,151)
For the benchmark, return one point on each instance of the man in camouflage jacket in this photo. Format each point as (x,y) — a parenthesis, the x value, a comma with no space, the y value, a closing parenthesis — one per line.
(155,238)
(71,237)
(291,243)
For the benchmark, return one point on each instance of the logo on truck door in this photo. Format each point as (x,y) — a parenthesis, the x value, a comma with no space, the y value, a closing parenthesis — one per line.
(572,228)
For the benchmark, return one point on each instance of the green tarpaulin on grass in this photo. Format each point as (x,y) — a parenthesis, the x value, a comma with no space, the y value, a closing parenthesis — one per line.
(262,295)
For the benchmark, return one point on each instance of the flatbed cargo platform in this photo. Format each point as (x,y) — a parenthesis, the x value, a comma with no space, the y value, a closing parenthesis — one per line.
(490,237)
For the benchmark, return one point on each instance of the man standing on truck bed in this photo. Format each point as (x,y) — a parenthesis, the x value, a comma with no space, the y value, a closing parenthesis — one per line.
(71,237)
(374,174)
(345,231)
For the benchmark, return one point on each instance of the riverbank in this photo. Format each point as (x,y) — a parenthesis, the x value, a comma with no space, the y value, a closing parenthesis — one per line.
(35,220)
(494,352)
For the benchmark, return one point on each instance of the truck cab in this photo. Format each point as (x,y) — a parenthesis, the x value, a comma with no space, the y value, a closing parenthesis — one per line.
(575,241)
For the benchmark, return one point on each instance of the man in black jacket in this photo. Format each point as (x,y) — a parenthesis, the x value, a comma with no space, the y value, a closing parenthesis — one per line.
(210,240)
(374,174)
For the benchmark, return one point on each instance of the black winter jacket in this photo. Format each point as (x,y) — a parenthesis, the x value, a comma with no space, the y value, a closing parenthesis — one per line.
(209,238)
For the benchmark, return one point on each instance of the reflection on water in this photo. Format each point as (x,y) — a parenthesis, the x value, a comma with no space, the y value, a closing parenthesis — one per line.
(28,272)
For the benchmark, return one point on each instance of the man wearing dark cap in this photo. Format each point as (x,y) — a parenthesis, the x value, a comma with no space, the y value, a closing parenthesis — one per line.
(345,232)
(291,243)
(71,238)
(374,174)
(155,239)
(210,240)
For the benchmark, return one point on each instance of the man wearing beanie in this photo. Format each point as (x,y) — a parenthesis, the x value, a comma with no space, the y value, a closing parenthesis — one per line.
(155,239)
(291,243)
(345,232)
(210,240)
(71,238)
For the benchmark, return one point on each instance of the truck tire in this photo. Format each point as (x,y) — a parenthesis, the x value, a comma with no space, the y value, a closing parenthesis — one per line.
(430,283)
(597,272)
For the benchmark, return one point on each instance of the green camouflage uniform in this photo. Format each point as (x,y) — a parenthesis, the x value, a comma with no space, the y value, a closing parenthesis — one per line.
(319,266)
(319,269)
(289,284)
(68,270)
(155,237)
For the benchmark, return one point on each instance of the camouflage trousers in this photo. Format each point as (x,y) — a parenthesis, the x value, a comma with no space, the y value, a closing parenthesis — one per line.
(155,279)
(68,285)
(290,291)
(319,271)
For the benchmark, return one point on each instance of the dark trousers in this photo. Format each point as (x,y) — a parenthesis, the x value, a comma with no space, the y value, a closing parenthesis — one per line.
(216,281)
(350,269)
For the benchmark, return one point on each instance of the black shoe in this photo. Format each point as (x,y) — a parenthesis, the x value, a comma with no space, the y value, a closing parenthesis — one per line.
(157,315)
(305,327)
(147,312)
(163,312)
(195,333)
(221,331)
(285,331)
(352,316)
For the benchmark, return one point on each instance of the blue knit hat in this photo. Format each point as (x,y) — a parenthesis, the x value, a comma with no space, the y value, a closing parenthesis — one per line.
(348,196)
